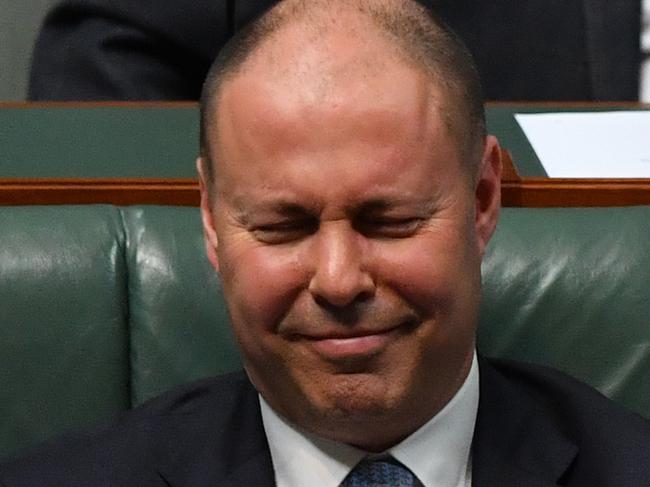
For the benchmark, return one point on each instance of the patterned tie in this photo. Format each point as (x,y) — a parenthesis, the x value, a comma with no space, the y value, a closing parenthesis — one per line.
(383,472)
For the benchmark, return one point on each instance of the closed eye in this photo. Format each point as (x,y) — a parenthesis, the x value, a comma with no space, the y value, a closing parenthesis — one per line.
(284,232)
(390,227)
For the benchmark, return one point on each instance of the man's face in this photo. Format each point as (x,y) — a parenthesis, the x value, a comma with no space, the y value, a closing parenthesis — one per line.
(348,236)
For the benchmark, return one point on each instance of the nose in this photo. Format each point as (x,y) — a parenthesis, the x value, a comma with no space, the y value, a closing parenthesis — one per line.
(340,276)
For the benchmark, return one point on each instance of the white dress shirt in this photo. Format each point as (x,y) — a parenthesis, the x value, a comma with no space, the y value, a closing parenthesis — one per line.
(438,453)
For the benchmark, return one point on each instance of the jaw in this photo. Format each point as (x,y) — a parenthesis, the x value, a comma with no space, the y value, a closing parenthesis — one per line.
(371,404)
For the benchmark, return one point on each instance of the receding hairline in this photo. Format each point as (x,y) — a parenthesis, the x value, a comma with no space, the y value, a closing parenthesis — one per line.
(414,37)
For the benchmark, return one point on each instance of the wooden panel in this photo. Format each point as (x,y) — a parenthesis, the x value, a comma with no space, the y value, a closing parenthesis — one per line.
(559,192)
(543,192)
(516,191)
(181,192)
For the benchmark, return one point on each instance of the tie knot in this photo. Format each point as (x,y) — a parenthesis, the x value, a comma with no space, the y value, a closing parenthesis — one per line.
(381,472)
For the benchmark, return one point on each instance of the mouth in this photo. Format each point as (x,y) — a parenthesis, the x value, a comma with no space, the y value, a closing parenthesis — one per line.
(355,344)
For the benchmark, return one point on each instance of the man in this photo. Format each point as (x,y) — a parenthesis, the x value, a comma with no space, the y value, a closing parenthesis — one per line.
(348,194)
(152,50)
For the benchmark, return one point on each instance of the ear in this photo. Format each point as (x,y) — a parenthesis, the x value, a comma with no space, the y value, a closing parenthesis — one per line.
(488,193)
(209,232)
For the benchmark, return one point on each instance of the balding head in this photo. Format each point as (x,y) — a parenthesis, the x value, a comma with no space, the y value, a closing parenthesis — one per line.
(341,219)
(392,30)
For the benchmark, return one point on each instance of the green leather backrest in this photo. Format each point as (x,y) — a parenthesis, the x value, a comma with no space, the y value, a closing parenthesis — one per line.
(178,321)
(63,320)
(570,288)
(103,307)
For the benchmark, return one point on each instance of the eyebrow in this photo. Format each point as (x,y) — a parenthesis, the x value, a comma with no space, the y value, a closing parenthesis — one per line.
(378,205)
(279,207)
(289,208)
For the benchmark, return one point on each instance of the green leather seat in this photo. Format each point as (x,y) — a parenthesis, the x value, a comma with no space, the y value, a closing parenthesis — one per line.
(570,288)
(178,322)
(103,307)
(63,320)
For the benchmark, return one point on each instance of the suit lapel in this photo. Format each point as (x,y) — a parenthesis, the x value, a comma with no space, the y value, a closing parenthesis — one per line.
(516,441)
(204,450)
(256,470)
(507,475)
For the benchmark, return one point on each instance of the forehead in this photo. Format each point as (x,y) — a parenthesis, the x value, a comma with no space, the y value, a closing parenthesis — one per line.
(346,95)
(309,64)
(396,100)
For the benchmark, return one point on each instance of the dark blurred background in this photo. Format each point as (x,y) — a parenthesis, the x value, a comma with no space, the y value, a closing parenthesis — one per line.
(159,50)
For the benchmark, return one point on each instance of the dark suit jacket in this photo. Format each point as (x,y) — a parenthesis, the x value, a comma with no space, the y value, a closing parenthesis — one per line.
(535,428)
(148,49)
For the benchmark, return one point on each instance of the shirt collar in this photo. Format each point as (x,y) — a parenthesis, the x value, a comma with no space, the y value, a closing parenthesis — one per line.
(438,453)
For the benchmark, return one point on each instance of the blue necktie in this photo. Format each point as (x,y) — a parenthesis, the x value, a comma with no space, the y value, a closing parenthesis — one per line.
(383,472)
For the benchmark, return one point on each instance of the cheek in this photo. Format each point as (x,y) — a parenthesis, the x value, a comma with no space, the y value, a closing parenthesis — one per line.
(433,272)
(261,283)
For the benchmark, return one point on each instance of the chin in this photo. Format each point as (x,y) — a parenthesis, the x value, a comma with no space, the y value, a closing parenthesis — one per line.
(349,398)
(359,412)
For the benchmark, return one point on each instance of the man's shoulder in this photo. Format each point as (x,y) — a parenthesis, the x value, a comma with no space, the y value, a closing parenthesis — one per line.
(225,393)
(552,389)
(542,417)
(162,430)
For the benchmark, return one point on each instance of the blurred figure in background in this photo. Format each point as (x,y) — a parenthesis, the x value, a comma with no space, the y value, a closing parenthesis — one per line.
(151,50)
(645,53)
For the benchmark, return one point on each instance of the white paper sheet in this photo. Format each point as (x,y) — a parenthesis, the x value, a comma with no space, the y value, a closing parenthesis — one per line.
(590,144)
